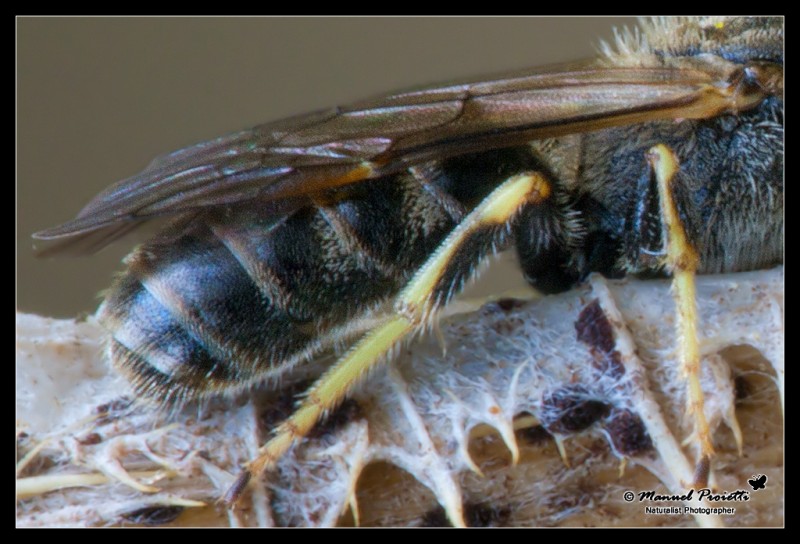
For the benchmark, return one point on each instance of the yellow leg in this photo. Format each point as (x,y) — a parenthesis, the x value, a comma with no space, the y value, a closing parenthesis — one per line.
(429,290)
(682,259)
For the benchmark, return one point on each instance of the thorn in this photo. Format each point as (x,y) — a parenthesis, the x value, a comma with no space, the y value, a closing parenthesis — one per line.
(455,513)
(506,430)
(353,502)
(733,425)
(561,450)
(116,471)
(468,460)
(38,485)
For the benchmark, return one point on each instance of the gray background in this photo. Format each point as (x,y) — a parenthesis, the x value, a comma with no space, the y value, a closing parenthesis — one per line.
(98,98)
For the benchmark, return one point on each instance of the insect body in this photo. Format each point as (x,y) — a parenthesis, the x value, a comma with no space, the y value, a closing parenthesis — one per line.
(238,297)
(286,233)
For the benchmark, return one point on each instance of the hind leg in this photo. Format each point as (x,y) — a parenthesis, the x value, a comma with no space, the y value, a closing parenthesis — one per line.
(484,231)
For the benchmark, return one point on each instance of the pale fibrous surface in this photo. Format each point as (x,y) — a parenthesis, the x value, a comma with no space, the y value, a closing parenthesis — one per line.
(536,413)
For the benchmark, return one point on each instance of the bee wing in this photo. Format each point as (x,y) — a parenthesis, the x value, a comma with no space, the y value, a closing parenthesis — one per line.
(301,156)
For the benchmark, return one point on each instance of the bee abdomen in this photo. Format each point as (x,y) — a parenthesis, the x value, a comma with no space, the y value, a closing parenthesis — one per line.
(233,300)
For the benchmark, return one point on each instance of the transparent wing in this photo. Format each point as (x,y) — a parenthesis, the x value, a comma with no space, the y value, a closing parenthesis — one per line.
(301,156)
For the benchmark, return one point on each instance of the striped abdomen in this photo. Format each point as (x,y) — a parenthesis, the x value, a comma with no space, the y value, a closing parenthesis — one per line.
(235,297)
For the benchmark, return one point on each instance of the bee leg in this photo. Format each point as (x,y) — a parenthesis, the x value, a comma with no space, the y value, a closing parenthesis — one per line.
(477,237)
(682,259)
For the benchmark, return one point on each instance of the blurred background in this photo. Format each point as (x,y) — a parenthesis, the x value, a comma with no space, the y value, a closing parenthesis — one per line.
(99,98)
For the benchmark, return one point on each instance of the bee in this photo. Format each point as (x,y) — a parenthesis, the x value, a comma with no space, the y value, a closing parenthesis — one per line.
(281,237)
